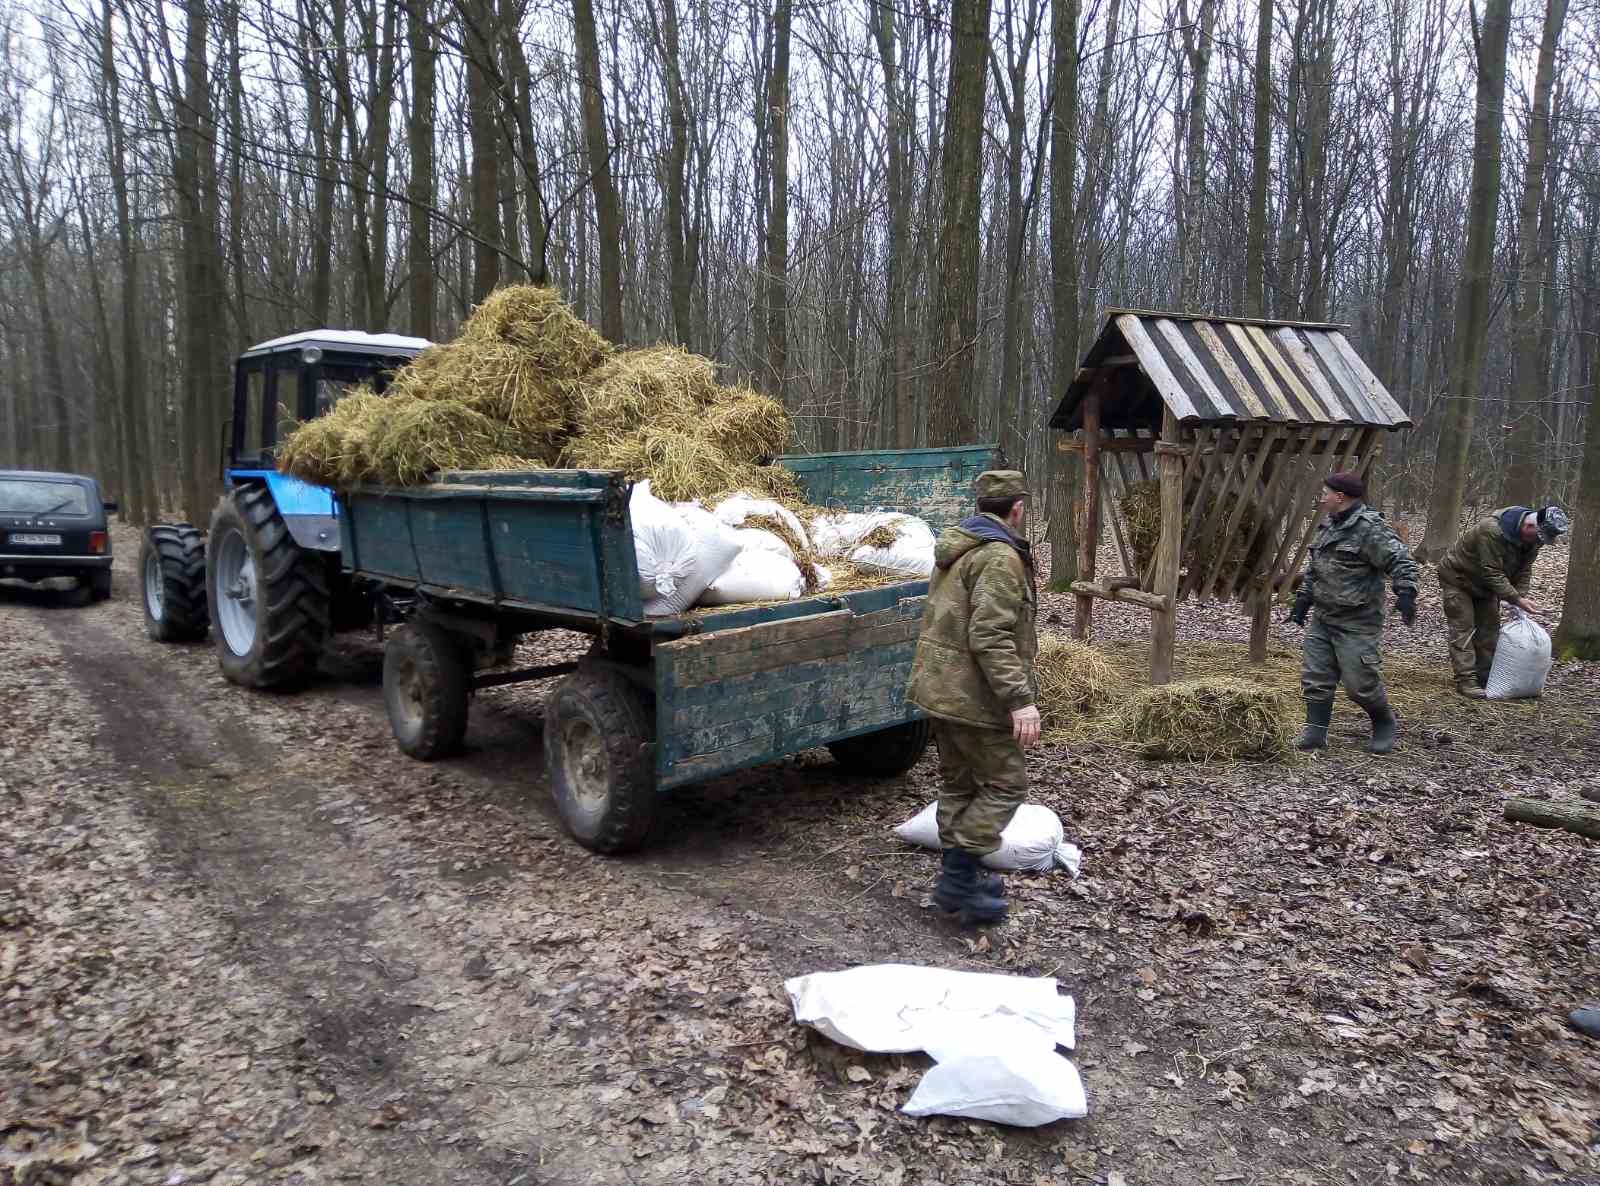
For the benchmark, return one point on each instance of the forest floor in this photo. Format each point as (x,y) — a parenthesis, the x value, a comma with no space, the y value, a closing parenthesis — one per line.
(243,939)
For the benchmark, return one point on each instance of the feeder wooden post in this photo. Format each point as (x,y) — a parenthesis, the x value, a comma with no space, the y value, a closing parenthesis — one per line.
(1169,550)
(1260,620)
(1089,529)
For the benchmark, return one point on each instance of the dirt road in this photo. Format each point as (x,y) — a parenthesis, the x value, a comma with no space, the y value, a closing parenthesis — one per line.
(242,939)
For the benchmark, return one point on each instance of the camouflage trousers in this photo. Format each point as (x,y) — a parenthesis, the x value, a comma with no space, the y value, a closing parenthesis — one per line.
(1347,653)
(985,780)
(1474,631)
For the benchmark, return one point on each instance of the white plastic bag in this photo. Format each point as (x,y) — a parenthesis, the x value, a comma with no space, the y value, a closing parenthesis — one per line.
(1034,839)
(753,539)
(1521,660)
(683,549)
(1021,1085)
(993,1036)
(736,508)
(898,1008)
(910,554)
(756,575)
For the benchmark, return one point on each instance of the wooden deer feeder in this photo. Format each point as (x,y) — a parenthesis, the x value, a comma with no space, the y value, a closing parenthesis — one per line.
(1228,426)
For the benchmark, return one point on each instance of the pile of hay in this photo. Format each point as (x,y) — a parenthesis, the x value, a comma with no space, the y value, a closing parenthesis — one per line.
(1205,720)
(529,382)
(1073,679)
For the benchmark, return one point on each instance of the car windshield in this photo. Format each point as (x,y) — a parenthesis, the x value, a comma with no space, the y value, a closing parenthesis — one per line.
(31,496)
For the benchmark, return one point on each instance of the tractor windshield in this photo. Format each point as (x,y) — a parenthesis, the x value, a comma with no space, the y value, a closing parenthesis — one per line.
(335,381)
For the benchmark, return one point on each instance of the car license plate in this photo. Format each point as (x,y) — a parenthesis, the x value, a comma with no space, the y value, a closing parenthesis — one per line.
(35,539)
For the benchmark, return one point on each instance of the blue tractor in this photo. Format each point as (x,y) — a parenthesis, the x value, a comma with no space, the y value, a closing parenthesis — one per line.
(266,575)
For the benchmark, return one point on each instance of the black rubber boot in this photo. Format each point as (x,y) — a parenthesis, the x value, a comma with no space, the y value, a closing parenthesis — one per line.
(1319,715)
(964,888)
(1383,727)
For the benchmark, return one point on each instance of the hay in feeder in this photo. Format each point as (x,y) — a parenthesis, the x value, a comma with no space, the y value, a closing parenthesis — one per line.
(1141,516)
(414,438)
(1073,680)
(746,425)
(1216,718)
(660,386)
(559,344)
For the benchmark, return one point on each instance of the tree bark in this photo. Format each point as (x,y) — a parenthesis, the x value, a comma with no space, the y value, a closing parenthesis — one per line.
(479,35)
(608,215)
(421,185)
(777,246)
(1197,49)
(1064,484)
(1472,300)
(1569,816)
(1255,264)
(897,335)
(951,420)
(1578,636)
(1521,475)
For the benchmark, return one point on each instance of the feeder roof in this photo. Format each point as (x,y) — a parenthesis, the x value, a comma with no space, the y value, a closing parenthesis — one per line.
(1226,370)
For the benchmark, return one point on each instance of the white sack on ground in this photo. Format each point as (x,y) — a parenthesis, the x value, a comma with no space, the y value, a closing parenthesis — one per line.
(897,1008)
(736,508)
(756,576)
(993,1036)
(1521,660)
(682,548)
(1034,839)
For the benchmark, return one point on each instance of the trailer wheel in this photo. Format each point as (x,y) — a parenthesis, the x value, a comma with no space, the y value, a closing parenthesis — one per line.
(172,576)
(427,676)
(885,753)
(598,735)
(268,598)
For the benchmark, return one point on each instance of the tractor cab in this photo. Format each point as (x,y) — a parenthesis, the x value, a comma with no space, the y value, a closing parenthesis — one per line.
(265,578)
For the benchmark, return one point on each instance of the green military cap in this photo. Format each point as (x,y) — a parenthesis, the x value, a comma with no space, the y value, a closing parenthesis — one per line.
(1000,483)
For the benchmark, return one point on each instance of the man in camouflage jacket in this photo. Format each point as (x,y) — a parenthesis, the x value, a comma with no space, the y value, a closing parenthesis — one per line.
(973,674)
(1351,554)
(1491,562)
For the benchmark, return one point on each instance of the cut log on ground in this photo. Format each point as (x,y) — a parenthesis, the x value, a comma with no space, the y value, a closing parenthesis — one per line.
(1545,813)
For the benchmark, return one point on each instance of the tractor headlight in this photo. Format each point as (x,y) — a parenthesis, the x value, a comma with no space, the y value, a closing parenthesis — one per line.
(311,355)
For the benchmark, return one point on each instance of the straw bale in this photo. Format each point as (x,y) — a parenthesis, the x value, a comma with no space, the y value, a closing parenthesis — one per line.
(557,342)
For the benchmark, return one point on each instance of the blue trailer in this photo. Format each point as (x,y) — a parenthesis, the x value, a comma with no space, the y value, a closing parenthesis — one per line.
(477,559)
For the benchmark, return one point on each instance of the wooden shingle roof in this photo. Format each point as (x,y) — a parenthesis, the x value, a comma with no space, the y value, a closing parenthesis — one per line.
(1219,370)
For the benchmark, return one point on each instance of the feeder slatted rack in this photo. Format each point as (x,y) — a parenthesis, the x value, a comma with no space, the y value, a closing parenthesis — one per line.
(1237,422)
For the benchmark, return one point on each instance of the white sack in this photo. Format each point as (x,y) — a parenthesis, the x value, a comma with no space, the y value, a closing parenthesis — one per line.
(1521,660)
(835,533)
(824,577)
(910,554)
(736,508)
(1020,1085)
(898,1008)
(753,539)
(756,576)
(1034,839)
(683,559)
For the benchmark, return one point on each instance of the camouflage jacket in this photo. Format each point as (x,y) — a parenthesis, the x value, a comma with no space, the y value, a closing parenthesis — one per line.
(975,655)
(1490,559)
(1350,557)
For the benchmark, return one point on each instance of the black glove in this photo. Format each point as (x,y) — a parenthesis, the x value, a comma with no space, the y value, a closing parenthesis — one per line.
(1406,602)
(1302,608)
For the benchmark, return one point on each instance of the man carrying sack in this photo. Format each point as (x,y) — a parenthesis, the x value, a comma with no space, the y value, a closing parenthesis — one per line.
(973,674)
(1351,554)
(1491,562)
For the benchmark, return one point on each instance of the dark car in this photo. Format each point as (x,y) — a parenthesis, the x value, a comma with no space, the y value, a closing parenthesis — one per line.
(54,525)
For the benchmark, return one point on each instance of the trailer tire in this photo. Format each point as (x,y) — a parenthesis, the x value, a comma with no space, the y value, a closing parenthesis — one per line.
(268,598)
(887,752)
(599,751)
(427,679)
(172,580)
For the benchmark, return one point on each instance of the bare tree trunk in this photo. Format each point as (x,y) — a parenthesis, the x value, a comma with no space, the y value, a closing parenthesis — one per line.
(1521,474)
(681,260)
(1578,636)
(1472,301)
(897,336)
(528,158)
(950,417)
(1063,484)
(237,203)
(1255,264)
(1197,50)
(777,267)
(607,212)
(479,34)
(421,185)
